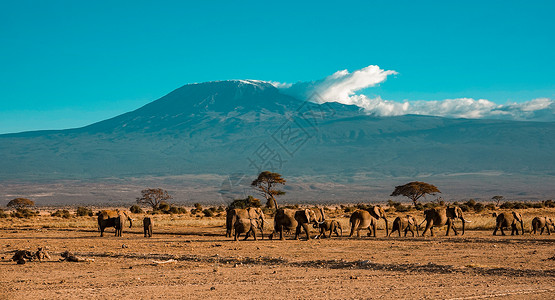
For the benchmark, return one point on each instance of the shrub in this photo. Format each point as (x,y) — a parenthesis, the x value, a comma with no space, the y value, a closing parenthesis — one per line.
(403,208)
(491,206)
(83,211)
(24,213)
(470,203)
(250,201)
(479,207)
(548,203)
(174,210)
(18,203)
(135,209)
(62,213)
(163,206)
(208,213)
(507,205)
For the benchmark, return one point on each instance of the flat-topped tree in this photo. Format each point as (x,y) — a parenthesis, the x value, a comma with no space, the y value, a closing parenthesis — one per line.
(153,197)
(415,190)
(266,184)
(18,203)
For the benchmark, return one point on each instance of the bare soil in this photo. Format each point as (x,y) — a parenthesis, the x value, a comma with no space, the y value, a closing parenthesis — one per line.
(200,262)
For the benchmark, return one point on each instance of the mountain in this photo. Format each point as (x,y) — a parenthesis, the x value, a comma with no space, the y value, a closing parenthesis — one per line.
(245,126)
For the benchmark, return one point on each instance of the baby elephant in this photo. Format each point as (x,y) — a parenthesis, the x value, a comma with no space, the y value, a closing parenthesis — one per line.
(147,225)
(541,223)
(332,226)
(406,223)
(245,225)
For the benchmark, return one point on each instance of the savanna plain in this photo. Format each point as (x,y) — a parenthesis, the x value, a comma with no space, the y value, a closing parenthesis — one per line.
(189,256)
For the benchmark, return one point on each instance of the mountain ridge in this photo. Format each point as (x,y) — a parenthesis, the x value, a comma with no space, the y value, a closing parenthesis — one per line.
(220,127)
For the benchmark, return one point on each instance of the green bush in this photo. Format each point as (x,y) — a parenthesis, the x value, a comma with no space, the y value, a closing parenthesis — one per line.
(479,207)
(548,203)
(250,201)
(491,206)
(83,211)
(135,209)
(208,213)
(507,205)
(62,213)
(163,206)
(403,208)
(24,213)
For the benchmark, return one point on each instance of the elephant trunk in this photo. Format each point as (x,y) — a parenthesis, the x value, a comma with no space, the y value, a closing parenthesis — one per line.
(522,226)
(386,227)
(130,221)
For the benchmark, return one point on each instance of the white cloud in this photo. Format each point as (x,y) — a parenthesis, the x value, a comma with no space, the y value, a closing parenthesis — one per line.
(342,87)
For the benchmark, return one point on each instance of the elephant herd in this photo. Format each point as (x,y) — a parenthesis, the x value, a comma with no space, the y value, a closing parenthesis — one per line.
(250,220)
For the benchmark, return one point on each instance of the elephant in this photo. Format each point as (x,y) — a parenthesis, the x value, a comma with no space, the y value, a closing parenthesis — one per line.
(406,223)
(288,219)
(361,219)
(241,213)
(542,223)
(147,226)
(247,226)
(508,220)
(107,218)
(442,215)
(333,226)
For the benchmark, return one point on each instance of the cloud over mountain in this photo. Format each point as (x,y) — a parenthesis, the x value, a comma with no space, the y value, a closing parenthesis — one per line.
(342,87)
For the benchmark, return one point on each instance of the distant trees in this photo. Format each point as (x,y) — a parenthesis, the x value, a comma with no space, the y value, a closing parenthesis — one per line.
(153,197)
(415,190)
(19,203)
(266,184)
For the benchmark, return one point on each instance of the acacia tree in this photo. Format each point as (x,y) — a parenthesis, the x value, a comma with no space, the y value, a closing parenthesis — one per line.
(497,199)
(415,190)
(19,203)
(153,197)
(266,184)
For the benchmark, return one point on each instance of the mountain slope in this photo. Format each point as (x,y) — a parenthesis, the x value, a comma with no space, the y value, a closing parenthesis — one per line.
(243,126)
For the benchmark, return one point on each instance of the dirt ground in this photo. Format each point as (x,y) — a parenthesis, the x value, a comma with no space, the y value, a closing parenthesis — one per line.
(200,262)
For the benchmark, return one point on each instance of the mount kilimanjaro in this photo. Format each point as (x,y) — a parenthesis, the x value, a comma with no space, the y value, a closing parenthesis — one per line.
(244,126)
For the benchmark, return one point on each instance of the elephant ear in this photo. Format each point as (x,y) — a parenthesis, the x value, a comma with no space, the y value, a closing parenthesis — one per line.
(307,215)
(378,212)
(411,220)
(517,216)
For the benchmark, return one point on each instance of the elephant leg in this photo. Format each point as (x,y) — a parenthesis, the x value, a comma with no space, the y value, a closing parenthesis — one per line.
(374,229)
(541,231)
(281,237)
(297,231)
(235,236)
(513,229)
(428,227)
(495,230)
(547,228)
(307,231)
(502,231)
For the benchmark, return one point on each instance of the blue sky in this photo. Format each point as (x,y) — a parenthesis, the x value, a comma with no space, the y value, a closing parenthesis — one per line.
(67,64)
